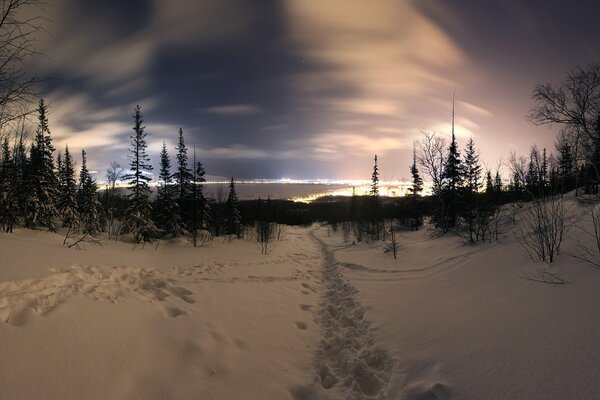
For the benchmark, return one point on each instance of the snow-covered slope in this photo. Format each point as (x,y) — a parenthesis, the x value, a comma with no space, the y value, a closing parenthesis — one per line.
(314,319)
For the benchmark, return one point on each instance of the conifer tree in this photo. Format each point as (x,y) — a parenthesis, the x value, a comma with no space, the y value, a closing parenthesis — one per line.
(453,168)
(21,176)
(489,185)
(532,179)
(565,165)
(138,216)
(67,201)
(234,218)
(88,203)
(199,206)
(471,169)
(417,181)
(375,179)
(8,194)
(498,182)
(169,218)
(452,180)
(183,174)
(41,208)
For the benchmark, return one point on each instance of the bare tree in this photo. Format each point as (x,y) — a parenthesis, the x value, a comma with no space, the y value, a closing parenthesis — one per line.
(114,174)
(576,102)
(431,155)
(20,24)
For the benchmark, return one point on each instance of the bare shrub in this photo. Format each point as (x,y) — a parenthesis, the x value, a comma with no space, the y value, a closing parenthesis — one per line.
(542,227)
(281,232)
(392,245)
(265,231)
(74,238)
(584,251)
(346,230)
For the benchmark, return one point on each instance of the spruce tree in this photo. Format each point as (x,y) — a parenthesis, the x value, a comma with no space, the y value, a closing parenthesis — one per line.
(169,218)
(417,181)
(498,183)
(233,216)
(43,190)
(471,168)
(199,207)
(452,175)
(8,189)
(67,201)
(182,175)
(489,184)
(21,176)
(138,216)
(87,201)
(565,165)
(375,179)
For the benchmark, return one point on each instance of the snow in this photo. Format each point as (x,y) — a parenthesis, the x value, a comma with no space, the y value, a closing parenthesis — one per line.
(316,318)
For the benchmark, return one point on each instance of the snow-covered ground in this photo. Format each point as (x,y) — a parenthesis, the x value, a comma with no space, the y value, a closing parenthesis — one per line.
(316,318)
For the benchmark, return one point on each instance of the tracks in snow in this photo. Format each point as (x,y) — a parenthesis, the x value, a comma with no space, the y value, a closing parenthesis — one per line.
(347,357)
(20,297)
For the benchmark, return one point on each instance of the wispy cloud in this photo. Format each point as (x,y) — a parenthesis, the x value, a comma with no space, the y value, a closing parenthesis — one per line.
(233,109)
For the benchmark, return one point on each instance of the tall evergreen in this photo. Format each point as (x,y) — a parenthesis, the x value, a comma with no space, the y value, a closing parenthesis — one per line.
(43,190)
(199,207)
(67,201)
(168,215)
(21,176)
(138,216)
(417,181)
(233,216)
(8,189)
(87,201)
(498,183)
(183,174)
(565,165)
(453,168)
(532,178)
(452,179)
(489,184)
(472,168)
(375,179)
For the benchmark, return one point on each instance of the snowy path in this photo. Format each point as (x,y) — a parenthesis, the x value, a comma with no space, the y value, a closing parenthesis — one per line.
(347,358)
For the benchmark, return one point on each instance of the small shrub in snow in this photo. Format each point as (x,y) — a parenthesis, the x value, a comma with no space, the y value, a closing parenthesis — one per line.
(542,228)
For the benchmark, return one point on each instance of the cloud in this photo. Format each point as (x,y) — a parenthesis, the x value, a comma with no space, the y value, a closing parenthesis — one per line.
(233,109)
(475,109)
(341,144)
(374,65)
(234,151)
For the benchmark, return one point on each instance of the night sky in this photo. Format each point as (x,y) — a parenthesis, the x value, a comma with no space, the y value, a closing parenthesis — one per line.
(306,88)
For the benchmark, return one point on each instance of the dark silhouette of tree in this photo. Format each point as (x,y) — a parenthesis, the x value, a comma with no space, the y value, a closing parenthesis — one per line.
(42,185)
(233,216)
(8,187)
(375,179)
(19,27)
(575,104)
(417,182)
(167,209)
(87,201)
(199,207)
(67,201)
(452,180)
(138,217)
